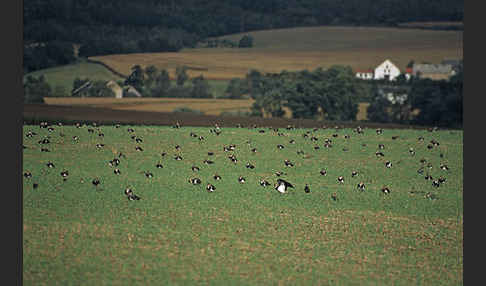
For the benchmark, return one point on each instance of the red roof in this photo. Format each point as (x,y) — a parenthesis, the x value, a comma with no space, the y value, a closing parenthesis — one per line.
(409,70)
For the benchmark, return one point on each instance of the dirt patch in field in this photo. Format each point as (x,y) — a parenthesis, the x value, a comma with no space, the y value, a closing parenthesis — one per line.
(35,112)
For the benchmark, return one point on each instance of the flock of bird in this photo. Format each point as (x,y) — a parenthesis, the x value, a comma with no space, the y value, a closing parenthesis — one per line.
(281,185)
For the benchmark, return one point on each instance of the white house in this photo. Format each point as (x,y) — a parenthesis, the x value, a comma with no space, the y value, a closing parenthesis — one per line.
(116,88)
(387,70)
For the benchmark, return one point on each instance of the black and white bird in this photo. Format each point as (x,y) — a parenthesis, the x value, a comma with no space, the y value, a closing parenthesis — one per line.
(50,164)
(307,188)
(388,164)
(100,145)
(250,166)
(282,185)
(436,183)
(178,158)
(323,172)
(195,181)
(379,154)
(288,163)
(340,179)
(217,177)
(27,174)
(385,190)
(210,188)
(264,183)
(64,175)
(381,146)
(148,174)
(280,146)
(208,162)
(241,179)
(431,196)
(159,165)
(279,173)
(138,148)
(130,195)
(444,167)
(95,182)
(195,168)
(354,173)
(361,186)
(411,151)
(117,171)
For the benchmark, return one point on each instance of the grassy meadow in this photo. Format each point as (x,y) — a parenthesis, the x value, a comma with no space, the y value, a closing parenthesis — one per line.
(64,75)
(304,48)
(242,233)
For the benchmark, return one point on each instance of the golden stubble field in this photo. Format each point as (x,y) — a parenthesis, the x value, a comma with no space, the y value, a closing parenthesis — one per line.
(304,48)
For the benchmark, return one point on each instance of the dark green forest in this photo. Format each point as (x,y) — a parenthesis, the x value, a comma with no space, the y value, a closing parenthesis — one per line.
(121,26)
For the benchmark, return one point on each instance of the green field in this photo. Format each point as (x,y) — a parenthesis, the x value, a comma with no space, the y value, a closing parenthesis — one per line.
(64,75)
(178,233)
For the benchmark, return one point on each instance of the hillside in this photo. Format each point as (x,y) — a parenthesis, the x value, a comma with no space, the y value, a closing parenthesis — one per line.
(304,48)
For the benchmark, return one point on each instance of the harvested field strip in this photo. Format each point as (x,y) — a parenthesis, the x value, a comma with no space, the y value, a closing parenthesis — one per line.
(304,48)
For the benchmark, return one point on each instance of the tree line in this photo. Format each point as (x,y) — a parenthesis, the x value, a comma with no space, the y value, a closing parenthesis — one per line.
(122,26)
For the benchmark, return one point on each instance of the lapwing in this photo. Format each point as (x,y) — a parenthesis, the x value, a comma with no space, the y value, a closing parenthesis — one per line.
(148,174)
(64,175)
(379,154)
(335,135)
(100,145)
(210,188)
(241,179)
(436,183)
(44,141)
(117,171)
(354,173)
(250,166)
(101,134)
(27,174)
(327,145)
(340,179)
(208,162)
(138,140)
(444,167)
(178,147)
(441,179)
(130,130)
(292,141)
(411,151)
(282,185)
(420,170)
(361,186)
(264,183)
(388,164)
(288,163)
(317,147)
(178,158)
(50,164)
(395,137)
(254,150)
(385,190)
(217,177)
(195,168)
(381,146)
(138,148)
(280,146)
(307,188)
(279,173)
(430,146)
(421,138)
(428,177)
(323,172)
(130,195)
(210,153)
(195,181)
(379,131)
(201,138)
(95,182)
(45,150)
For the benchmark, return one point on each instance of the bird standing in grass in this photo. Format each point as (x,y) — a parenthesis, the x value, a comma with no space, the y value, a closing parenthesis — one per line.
(210,188)
(307,188)
(282,185)
(130,195)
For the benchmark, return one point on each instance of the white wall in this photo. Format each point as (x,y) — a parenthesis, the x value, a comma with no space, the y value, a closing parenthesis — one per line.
(387,68)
